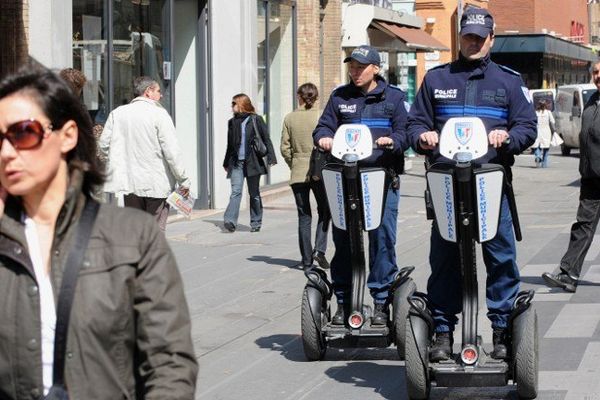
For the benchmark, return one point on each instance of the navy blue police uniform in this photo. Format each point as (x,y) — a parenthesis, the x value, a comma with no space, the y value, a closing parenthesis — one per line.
(383,111)
(498,97)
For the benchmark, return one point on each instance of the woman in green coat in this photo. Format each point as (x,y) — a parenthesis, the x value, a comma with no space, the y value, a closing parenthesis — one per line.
(296,148)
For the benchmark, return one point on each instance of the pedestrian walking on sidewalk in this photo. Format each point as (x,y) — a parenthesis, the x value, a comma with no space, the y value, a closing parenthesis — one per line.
(545,130)
(588,212)
(144,162)
(248,143)
(120,326)
(296,149)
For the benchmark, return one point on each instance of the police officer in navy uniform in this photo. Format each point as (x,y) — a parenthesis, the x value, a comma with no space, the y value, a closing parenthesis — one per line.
(474,86)
(368,100)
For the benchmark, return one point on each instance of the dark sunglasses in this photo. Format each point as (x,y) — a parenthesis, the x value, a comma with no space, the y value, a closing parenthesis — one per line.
(24,135)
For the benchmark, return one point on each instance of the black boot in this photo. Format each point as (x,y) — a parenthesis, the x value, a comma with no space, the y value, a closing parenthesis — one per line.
(500,340)
(442,347)
(319,257)
(380,314)
(561,280)
(339,316)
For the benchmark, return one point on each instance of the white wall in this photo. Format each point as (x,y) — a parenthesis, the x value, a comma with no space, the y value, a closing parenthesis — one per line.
(186,96)
(51,32)
(233,47)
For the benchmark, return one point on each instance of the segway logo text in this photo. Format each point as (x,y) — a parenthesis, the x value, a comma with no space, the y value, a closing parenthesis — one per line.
(340,199)
(367,201)
(449,206)
(483,228)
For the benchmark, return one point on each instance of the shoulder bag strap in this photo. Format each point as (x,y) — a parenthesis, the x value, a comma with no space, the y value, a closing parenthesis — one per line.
(67,289)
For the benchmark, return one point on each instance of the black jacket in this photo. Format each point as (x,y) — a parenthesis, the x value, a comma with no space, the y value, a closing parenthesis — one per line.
(589,139)
(254,165)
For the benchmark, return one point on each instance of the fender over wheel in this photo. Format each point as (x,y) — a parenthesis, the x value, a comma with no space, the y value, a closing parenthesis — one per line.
(312,319)
(401,309)
(418,382)
(525,354)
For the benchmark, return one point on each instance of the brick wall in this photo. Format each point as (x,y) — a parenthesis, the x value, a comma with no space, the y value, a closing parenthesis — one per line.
(531,16)
(309,56)
(14,21)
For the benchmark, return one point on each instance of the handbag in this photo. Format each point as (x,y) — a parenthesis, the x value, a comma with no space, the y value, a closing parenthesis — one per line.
(318,159)
(258,145)
(58,390)
(556,140)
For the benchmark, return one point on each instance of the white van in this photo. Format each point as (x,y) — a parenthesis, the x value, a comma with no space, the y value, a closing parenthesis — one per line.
(570,100)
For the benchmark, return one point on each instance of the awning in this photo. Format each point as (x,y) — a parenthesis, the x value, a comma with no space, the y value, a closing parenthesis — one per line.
(414,38)
(542,43)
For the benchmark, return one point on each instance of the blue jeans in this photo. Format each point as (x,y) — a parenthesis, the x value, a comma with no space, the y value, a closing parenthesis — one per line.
(444,287)
(237,183)
(382,255)
(542,155)
(302,197)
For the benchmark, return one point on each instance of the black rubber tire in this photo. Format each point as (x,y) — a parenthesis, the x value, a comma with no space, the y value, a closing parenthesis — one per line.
(418,383)
(526,355)
(401,308)
(565,150)
(312,339)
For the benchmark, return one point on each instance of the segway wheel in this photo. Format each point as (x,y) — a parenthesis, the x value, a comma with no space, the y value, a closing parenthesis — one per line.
(418,383)
(312,320)
(401,308)
(525,354)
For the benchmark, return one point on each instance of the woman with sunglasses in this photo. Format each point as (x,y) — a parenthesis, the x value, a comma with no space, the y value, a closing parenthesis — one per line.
(241,161)
(128,335)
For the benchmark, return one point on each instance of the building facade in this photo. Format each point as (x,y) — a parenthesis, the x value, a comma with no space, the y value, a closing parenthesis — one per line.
(202,52)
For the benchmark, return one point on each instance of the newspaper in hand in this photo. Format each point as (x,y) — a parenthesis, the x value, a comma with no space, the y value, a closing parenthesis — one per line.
(182,204)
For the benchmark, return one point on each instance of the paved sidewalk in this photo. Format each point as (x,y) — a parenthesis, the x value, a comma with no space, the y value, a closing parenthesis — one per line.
(244,291)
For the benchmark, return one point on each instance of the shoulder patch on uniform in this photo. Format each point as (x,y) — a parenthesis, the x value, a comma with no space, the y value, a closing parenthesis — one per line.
(340,88)
(510,71)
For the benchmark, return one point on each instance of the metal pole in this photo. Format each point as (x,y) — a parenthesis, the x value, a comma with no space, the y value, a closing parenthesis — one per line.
(294,54)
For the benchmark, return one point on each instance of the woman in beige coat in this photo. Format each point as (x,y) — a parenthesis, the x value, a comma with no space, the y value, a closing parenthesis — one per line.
(296,148)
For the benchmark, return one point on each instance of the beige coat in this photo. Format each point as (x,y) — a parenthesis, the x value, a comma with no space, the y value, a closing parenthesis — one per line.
(297,141)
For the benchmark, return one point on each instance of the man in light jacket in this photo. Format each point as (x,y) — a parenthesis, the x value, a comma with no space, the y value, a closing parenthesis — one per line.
(143,157)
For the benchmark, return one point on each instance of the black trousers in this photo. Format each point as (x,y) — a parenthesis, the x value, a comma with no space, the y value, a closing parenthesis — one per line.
(582,231)
(155,206)
(302,197)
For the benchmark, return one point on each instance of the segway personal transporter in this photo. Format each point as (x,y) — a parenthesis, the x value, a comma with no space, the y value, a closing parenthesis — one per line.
(356,198)
(466,200)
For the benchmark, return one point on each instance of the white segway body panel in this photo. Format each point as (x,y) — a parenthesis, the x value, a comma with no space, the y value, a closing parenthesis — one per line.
(372,183)
(334,188)
(352,143)
(489,182)
(441,186)
(463,135)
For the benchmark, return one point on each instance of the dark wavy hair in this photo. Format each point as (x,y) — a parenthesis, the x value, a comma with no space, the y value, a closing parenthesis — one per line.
(309,94)
(56,99)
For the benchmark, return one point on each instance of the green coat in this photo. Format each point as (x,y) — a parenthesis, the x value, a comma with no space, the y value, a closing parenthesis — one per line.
(129,320)
(297,141)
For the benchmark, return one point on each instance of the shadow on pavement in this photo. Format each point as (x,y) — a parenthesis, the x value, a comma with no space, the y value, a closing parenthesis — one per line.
(538,280)
(282,262)
(219,224)
(290,346)
(385,380)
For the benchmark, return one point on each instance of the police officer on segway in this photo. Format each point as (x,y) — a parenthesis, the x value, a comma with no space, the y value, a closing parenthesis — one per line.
(474,86)
(368,100)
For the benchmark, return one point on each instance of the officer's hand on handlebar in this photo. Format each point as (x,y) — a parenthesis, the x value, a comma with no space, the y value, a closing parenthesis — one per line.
(385,142)
(326,143)
(428,140)
(497,138)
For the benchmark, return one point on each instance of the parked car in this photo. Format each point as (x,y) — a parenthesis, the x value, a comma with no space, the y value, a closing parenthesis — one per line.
(569,103)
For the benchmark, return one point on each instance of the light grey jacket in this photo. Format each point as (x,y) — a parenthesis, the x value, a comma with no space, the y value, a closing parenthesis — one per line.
(141,149)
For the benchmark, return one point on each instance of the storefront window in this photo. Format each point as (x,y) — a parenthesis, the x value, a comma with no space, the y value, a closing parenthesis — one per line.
(141,46)
(89,55)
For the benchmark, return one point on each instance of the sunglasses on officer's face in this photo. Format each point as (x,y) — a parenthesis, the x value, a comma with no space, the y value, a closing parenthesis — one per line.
(24,135)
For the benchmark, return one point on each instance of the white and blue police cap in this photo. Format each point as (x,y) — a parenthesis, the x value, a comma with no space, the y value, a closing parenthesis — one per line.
(365,55)
(477,21)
